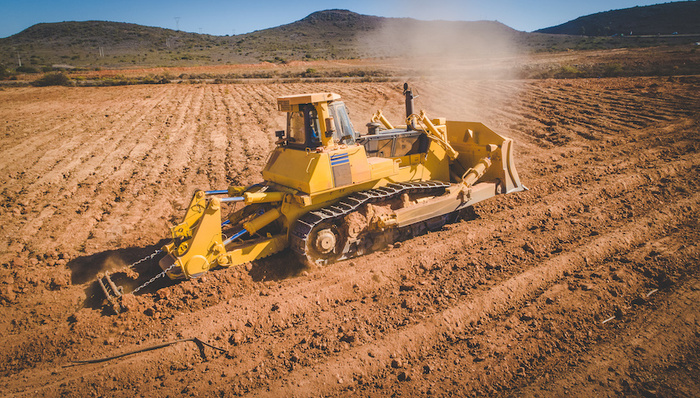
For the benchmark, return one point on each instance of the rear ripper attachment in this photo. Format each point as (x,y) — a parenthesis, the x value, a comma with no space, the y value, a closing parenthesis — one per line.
(331,193)
(114,293)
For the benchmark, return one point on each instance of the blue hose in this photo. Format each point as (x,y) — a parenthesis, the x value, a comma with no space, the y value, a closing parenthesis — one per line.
(235,236)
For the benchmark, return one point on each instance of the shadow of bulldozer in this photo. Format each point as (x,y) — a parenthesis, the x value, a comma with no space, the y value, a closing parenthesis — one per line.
(87,269)
(282,265)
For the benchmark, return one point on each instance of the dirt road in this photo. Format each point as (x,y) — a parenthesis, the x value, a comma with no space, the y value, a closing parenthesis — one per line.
(586,285)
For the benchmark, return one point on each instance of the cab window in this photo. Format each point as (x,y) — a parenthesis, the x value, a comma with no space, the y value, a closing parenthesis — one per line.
(303,127)
(295,127)
(344,132)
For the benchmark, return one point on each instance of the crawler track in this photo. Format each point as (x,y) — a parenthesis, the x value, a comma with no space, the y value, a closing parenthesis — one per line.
(301,231)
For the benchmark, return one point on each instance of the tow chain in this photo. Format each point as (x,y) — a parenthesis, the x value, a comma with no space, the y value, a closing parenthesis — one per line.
(148,282)
(155,253)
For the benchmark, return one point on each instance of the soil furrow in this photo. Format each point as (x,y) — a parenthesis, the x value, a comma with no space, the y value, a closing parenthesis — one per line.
(406,342)
(507,302)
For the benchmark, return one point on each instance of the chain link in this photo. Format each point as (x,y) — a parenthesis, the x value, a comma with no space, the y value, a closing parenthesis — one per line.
(149,257)
(148,282)
(155,253)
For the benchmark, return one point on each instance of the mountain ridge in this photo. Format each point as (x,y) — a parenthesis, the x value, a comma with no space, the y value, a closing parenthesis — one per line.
(328,34)
(681,17)
(322,35)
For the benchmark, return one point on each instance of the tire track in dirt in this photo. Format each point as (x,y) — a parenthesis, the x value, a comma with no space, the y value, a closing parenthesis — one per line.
(146,166)
(586,106)
(219,142)
(250,136)
(234,155)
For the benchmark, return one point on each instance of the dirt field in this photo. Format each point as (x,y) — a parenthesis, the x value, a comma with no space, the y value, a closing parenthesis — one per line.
(586,285)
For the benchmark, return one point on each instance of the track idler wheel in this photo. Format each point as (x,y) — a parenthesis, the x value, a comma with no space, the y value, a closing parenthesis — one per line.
(324,244)
(326,241)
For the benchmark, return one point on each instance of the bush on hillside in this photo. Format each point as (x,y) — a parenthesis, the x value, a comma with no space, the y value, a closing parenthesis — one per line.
(4,72)
(53,79)
(27,69)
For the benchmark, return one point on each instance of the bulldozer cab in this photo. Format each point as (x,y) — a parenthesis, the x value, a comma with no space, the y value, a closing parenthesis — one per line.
(315,120)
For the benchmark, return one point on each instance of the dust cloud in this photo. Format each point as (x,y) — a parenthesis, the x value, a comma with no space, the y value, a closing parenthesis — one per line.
(439,57)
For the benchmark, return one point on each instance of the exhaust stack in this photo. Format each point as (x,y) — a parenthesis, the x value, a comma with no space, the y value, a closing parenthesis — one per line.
(409,107)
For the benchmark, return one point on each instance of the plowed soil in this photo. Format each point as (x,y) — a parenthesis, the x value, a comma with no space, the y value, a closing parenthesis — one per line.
(588,284)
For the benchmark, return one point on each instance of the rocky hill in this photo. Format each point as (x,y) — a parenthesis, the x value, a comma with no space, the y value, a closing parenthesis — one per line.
(660,19)
(323,35)
(330,34)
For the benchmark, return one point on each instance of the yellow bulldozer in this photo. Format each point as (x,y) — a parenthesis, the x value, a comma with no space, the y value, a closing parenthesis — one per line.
(330,193)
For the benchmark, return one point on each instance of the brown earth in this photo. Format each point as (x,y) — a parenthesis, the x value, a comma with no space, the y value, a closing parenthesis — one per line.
(586,285)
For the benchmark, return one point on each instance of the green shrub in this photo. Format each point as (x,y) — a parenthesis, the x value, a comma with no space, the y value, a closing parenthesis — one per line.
(567,71)
(612,70)
(53,79)
(27,69)
(310,72)
(4,72)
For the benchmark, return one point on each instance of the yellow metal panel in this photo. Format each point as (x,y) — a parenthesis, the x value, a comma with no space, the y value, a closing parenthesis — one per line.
(403,160)
(358,165)
(193,213)
(474,141)
(310,172)
(323,114)
(382,167)
(284,103)
(301,170)
(205,244)
(411,172)
(436,163)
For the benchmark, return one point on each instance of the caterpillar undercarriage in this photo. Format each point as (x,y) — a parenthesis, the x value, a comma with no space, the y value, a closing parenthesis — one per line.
(329,193)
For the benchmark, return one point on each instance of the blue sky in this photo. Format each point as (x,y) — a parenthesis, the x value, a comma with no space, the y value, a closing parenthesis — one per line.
(221,17)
